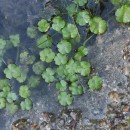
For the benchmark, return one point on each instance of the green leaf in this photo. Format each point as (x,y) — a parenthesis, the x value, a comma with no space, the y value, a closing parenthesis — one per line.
(11,97)
(24,91)
(22,78)
(32,32)
(3,94)
(95,83)
(123,14)
(25,58)
(60,59)
(5,91)
(72,9)
(4,83)
(70,31)
(85,68)
(81,2)
(11,108)
(76,89)
(58,23)
(64,47)
(72,77)
(97,25)
(15,40)
(83,18)
(33,81)
(2,103)
(48,75)
(38,67)
(43,25)
(12,71)
(72,67)
(44,41)
(26,105)
(62,85)
(60,71)
(82,51)
(24,72)
(47,55)
(2,44)
(65,99)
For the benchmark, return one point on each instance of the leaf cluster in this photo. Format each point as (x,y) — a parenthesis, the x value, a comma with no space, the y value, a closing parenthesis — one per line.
(123,8)
(84,18)
(65,67)
(7,97)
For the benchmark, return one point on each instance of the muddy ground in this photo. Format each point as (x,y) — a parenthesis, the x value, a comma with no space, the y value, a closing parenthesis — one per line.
(107,109)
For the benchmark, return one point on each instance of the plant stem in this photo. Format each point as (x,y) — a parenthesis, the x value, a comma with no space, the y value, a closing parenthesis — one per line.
(4,61)
(84,43)
(47,39)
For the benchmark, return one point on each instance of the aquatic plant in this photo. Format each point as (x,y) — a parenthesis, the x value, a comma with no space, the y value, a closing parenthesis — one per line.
(95,83)
(24,91)
(44,41)
(15,40)
(47,55)
(26,104)
(123,14)
(60,62)
(65,99)
(64,47)
(122,10)
(43,25)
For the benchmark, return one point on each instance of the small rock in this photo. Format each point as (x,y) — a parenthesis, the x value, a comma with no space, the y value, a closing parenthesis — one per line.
(126,108)
(114,96)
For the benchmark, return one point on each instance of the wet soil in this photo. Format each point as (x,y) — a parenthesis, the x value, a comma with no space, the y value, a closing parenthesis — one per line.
(107,109)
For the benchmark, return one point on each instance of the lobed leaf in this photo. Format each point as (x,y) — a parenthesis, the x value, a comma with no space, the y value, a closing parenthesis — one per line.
(47,55)
(26,105)
(32,32)
(25,58)
(65,99)
(15,40)
(123,14)
(24,91)
(82,51)
(48,75)
(62,85)
(76,89)
(72,9)
(58,23)
(60,59)
(33,81)
(11,97)
(12,71)
(97,25)
(38,68)
(84,68)
(11,108)
(95,83)
(44,41)
(43,25)
(70,31)
(64,47)
(83,18)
